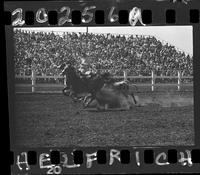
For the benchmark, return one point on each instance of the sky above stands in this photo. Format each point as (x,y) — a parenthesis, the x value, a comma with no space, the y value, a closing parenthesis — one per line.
(179,36)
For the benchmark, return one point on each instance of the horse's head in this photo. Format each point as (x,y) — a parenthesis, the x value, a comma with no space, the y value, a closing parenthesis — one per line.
(107,77)
(67,69)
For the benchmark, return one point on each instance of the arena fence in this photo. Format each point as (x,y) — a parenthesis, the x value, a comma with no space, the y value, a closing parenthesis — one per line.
(152,84)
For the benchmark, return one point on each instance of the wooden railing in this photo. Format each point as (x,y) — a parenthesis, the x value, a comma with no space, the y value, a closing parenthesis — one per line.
(125,76)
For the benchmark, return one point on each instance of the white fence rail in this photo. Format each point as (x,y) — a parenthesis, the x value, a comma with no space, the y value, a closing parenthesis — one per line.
(152,84)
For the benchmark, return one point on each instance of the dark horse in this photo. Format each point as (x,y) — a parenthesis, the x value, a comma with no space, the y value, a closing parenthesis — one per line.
(78,83)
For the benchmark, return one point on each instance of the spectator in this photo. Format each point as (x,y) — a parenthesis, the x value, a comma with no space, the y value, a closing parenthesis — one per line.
(139,54)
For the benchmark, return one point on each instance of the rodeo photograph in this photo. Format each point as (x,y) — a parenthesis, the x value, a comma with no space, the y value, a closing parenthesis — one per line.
(103,86)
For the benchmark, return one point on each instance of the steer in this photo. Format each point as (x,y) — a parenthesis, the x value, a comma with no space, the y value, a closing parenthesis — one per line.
(114,97)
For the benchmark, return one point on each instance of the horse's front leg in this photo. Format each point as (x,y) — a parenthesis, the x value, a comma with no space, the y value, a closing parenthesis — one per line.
(87,100)
(73,96)
(66,91)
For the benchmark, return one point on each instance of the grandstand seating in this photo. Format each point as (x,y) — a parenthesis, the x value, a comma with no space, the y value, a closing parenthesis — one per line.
(139,54)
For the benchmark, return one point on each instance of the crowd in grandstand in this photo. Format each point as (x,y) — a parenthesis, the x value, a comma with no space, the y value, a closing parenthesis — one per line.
(139,54)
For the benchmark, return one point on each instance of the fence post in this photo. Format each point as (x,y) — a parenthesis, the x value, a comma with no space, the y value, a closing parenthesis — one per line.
(24,75)
(152,80)
(33,80)
(125,75)
(179,81)
(65,80)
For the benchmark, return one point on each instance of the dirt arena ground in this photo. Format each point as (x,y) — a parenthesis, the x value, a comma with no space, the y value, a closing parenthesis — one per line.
(48,120)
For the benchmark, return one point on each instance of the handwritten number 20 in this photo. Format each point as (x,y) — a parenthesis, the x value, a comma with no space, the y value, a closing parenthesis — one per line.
(18,21)
(54,170)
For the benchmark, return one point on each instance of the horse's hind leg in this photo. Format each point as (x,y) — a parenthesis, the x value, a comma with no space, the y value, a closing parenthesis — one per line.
(135,101)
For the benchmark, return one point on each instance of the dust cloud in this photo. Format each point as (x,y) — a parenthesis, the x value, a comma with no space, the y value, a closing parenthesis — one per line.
(166,100)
